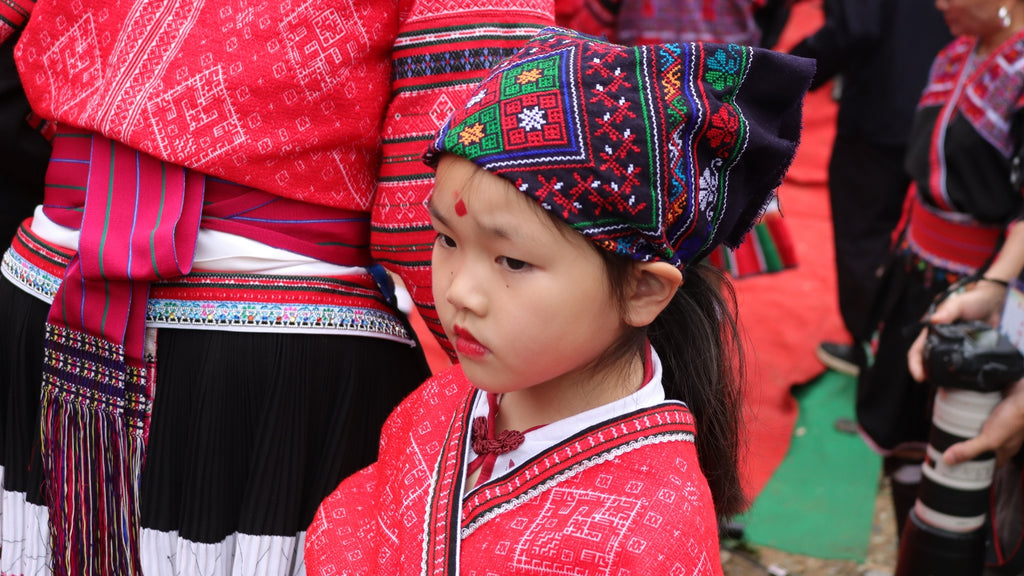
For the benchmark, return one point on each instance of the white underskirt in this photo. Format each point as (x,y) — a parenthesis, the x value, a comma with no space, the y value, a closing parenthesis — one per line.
(25,549)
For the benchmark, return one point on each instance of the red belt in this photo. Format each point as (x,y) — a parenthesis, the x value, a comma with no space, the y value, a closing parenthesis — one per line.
(951,240)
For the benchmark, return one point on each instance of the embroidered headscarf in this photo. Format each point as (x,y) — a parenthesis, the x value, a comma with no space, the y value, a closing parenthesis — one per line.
(655,152)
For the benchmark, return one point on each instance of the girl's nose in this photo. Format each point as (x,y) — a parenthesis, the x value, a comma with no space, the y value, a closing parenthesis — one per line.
(465,288)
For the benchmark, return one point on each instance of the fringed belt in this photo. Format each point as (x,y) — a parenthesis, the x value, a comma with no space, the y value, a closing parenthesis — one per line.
(949,240)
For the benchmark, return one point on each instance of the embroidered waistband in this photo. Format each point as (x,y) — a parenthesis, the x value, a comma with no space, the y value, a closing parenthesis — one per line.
(274,303)
(946,241)
(235,302)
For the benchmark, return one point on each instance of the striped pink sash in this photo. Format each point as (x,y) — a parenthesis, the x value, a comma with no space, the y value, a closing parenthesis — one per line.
(139,224)
(328,234)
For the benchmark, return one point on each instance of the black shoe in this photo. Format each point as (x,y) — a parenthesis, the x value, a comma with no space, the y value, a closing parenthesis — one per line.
(840,357)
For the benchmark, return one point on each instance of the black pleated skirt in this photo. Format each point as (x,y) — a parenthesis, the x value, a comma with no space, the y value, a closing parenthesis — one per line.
(249,430)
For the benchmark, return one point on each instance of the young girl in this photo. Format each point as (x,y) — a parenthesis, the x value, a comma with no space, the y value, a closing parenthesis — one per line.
(591,426)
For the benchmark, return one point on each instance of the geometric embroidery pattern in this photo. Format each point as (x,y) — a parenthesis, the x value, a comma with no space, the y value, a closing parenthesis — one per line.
(73,66)
(524,116)
(638,148)
(588,516)
(482,59)
(200,100)
(993,90)
(649,507)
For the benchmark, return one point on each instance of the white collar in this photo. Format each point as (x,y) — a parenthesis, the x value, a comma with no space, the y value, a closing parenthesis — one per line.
(539,439)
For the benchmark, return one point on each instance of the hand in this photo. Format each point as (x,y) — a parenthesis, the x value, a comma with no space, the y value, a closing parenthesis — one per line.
(983,301)
(1003,432)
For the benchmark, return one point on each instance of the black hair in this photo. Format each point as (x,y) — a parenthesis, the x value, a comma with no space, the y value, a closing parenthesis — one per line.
(698,340)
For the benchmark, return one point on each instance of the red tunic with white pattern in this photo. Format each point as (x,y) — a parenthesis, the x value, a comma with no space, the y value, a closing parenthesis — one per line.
(625,496)
(324,102)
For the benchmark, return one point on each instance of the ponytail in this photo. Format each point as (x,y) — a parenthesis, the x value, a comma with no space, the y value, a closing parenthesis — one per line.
(697,338)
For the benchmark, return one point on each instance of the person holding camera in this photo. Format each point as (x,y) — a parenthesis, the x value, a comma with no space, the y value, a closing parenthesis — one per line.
(1001,436)
(956,219)
(1003,432)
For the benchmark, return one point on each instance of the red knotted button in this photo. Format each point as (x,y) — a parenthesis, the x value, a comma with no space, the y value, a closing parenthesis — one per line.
(504,443)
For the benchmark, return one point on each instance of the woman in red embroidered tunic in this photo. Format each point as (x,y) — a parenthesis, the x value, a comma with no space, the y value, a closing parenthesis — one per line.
(197,319)
(959,214)
(591,426)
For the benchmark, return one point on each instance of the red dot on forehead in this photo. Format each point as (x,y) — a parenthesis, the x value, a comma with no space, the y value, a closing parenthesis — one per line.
(460,206)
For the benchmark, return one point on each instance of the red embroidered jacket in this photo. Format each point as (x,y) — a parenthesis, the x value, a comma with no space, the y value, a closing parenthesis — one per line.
(623,497)
(324,102)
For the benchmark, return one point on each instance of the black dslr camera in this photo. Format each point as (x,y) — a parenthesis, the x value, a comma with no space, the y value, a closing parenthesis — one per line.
(970,363)
(971,355)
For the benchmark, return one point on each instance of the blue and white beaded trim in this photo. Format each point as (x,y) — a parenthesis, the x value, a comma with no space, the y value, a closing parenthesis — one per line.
(273,317)
(298,318)
(29,277)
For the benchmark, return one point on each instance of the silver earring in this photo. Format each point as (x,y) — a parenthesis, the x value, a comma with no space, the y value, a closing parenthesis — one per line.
(1004,16)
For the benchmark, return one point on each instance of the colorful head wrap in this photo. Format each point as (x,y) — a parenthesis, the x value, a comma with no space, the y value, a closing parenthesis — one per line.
(654,152)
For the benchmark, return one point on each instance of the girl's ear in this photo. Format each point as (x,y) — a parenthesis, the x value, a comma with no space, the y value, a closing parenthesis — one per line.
(653,286)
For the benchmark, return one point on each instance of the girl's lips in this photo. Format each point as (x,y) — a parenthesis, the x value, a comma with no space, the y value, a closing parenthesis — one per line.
(466,345)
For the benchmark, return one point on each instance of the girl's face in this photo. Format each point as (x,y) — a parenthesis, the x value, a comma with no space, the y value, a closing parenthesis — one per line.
(978,18)
(526,305)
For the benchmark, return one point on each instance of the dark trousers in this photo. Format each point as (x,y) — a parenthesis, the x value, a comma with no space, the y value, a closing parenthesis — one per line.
(867,185)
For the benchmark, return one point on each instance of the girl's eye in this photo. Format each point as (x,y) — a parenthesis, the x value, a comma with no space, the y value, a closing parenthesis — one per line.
(445,240)
(512,263)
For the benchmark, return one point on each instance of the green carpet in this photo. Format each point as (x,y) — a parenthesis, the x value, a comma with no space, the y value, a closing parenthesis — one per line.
(820,500)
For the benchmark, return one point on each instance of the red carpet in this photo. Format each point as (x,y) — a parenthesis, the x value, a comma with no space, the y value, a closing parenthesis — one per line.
(785,314)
